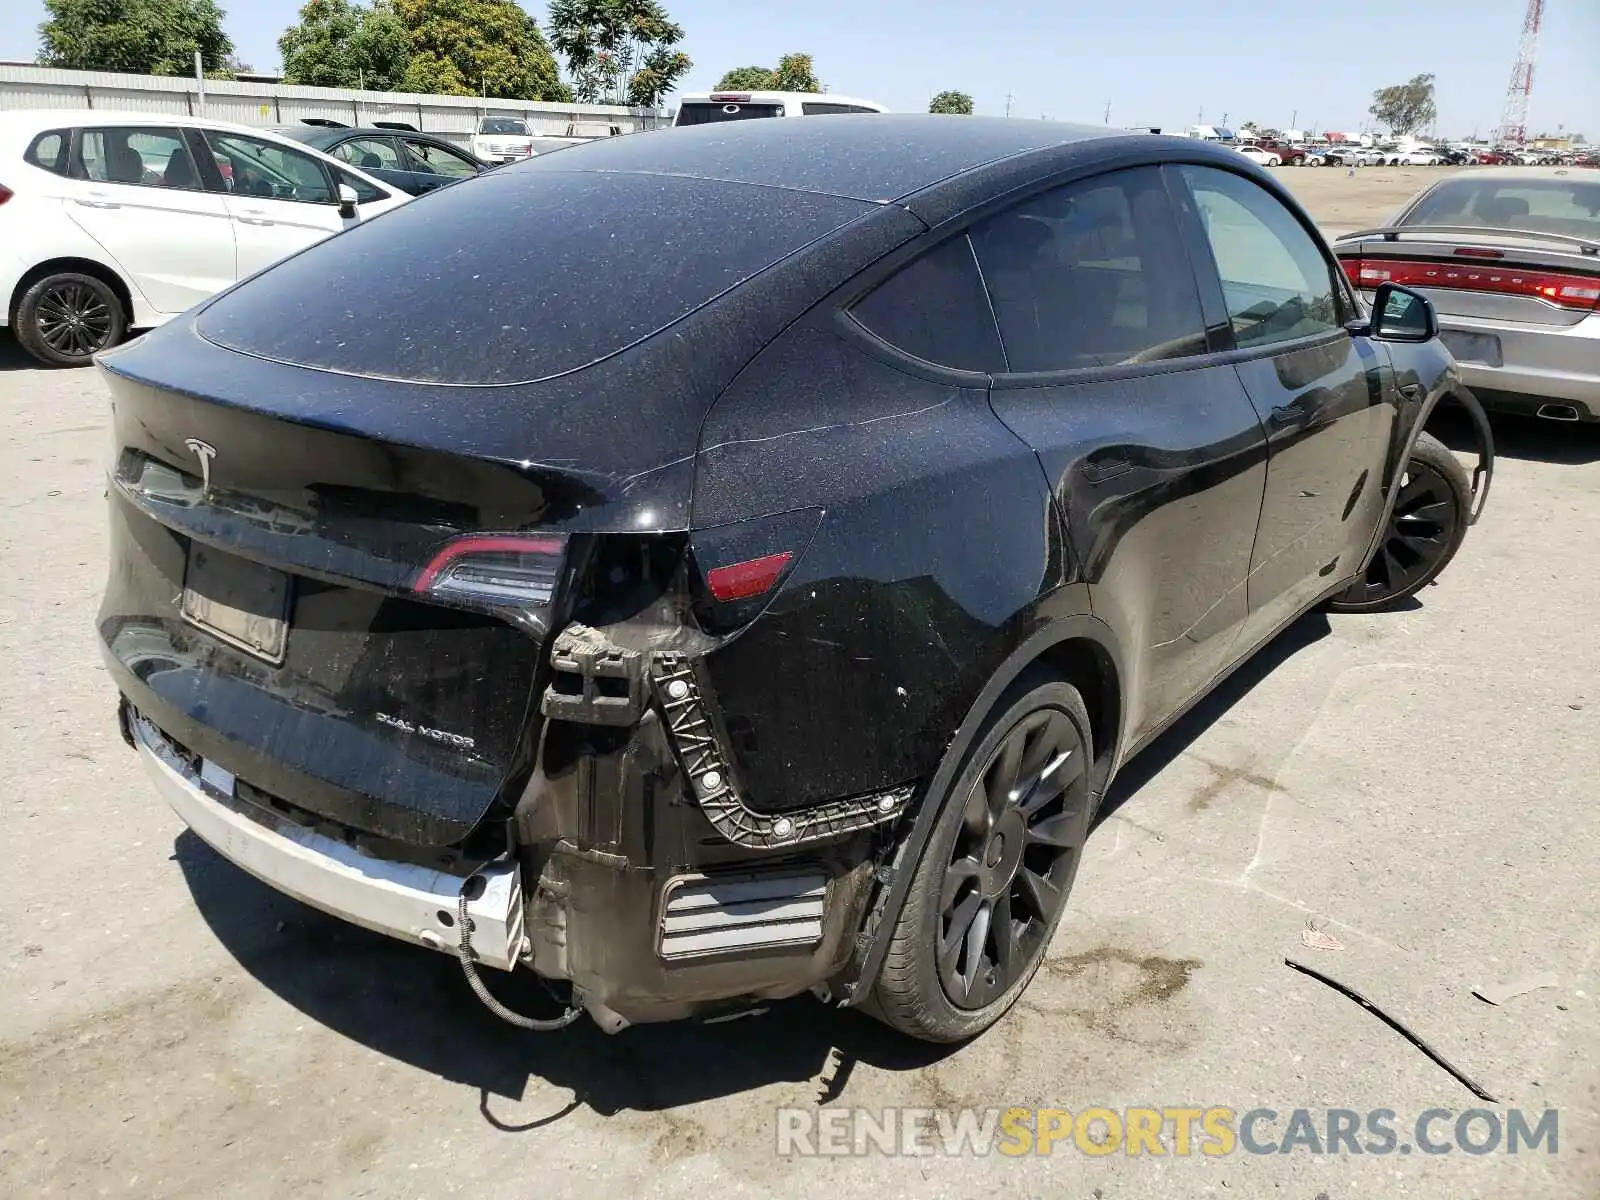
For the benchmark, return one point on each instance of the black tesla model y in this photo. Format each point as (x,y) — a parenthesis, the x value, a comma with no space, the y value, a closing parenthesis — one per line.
(708,565)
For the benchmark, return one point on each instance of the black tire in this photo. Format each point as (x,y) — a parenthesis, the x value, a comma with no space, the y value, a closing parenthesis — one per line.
(1424,531)
(64,320)
(1011,867)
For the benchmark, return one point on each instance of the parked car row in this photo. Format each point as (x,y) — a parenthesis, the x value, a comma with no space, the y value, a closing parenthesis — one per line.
(111,221)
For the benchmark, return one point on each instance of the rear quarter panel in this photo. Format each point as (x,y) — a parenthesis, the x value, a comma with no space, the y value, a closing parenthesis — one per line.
(937,538)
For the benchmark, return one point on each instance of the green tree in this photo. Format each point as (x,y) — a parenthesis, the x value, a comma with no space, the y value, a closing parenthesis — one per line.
(794,73)
(144,37)
(746,79)
(339,44)
(477,47)
(1406,106)
(951,102)
(618,51)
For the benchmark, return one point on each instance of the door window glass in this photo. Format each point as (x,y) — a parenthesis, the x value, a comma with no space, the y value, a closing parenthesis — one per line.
(1277,283)
(370,154)
(364,190)
(253,167)
(934,309)
(429,159)
(144,157)
(1091,274)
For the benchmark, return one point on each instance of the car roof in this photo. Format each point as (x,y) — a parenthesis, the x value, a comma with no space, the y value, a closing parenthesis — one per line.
(768,96)
(878,157)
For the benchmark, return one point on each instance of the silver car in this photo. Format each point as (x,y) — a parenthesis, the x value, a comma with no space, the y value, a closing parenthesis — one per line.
(1510,257)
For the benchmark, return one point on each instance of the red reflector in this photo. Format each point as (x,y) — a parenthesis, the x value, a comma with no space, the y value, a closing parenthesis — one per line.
(752,578)
(1581,292)
(1478,252)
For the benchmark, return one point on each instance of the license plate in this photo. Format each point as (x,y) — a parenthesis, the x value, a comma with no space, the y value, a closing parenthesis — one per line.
(1472,347)
(238,601)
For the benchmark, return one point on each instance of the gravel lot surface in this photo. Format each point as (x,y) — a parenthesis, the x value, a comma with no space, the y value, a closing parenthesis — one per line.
(1421,782)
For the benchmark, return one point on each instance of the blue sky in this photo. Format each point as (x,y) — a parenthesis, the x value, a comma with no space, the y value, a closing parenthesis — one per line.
(1158,62)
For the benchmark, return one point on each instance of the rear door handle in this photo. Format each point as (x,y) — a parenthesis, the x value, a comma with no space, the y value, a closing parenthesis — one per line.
(255,217)
(99,201)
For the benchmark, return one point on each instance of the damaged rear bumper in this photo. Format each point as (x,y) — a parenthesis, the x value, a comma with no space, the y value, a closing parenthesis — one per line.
(407,901)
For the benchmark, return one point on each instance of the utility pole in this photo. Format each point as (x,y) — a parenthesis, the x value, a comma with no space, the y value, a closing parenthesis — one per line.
(1010,99)
(1294,113)
(200,78)
(1108,110)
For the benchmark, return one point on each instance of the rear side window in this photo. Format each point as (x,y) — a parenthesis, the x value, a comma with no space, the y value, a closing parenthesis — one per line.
(434,160)
(1092,274)
(49,150)
(819,108)
(146,157)
(935,309)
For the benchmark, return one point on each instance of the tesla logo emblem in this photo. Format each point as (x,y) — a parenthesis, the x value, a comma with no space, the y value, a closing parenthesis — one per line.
(205,453)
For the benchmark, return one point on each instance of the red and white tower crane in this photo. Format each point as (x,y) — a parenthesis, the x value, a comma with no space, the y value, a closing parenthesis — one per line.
(1514,120)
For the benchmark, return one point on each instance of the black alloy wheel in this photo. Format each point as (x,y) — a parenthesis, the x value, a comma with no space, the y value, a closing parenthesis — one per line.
(1013,859)
(1423,534)
(64,320)
(992,882)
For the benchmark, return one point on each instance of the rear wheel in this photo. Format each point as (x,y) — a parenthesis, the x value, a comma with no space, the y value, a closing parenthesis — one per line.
(65,320)
(993,880)
(1424,531)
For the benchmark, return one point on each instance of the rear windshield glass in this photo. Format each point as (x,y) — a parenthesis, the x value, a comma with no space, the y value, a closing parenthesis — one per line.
(1569,206)
(704,113)
(503,125)
(517,274)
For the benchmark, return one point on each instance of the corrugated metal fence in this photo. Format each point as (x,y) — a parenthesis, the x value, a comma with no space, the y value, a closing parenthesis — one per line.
(451,117)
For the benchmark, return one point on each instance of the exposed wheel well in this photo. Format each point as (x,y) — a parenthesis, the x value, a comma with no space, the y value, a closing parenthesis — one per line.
(1087,666)
(82,266)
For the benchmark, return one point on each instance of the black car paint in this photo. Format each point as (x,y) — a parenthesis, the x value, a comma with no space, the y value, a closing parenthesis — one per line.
(953,527)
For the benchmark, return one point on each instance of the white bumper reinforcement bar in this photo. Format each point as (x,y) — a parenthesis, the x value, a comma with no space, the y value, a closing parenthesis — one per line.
(410,902)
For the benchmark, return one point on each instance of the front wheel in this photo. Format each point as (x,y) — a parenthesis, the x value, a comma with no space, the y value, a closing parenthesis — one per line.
(65,320)
(993,880)
(1424,531)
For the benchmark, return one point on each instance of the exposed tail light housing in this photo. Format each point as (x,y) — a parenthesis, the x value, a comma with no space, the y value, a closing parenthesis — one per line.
(498,570)
(1580,293)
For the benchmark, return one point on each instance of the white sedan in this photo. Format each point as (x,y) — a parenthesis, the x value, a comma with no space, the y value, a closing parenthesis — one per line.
(1257,155)
(114,221)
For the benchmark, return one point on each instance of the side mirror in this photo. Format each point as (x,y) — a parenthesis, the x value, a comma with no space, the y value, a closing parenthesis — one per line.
(347,201)
(1402,315)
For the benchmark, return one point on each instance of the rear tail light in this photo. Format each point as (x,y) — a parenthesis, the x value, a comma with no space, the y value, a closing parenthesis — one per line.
(504,571)
(1578,292)
(5,193)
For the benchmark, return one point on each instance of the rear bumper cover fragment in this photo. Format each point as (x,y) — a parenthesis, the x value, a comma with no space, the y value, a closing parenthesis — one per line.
(402,900)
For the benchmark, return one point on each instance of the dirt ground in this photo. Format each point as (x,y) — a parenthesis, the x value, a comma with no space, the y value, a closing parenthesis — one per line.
(1422,783)
(1342,202)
